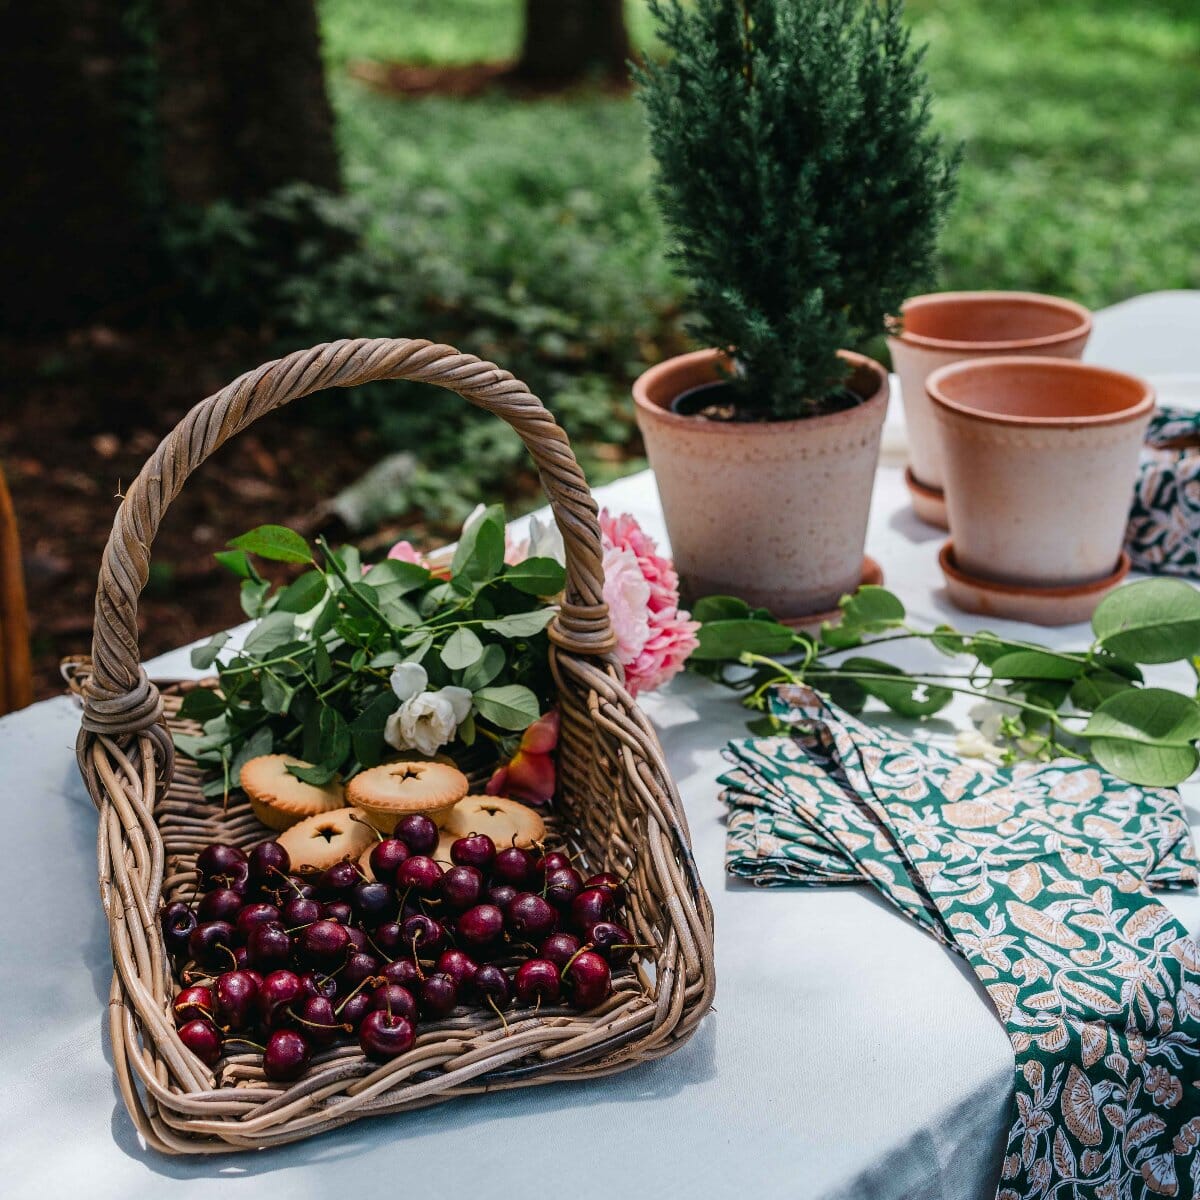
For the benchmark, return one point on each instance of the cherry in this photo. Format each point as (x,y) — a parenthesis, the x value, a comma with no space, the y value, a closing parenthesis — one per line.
(177,922)
(420,874)
(459,965)
(439,996)
(277,991)
(388,939)
(373,902)
(386,858)
(237,995)
(530,917)
(300,911)
(481,926)
(352,1010)
(537,980)
(492,984)
(358,937)
(556,860)
(287,1055)
(339,879)
(591,905)
(476,850)
(268,864)
(589,980)
(423,936)
(210,944)
(404,972)
(269,947)
(501,894)
(462,886)
(319,1021)
(513,866)
(359,967)
(324,943)
(337,910)
(222,865)
(194,1003)
(253,915)
(222,905)
(560,948)
(562,885)
(607,879)
(299,887)
(394,998)
(612,940)
(241,959)
(316,984)
(203,1040)
(384,1035)
(418,833)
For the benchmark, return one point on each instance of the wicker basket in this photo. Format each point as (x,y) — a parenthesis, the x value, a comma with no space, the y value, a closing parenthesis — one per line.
(616,807)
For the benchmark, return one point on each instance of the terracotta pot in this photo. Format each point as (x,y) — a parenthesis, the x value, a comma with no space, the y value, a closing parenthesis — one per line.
(950,327)
(774,512)
(1041,455)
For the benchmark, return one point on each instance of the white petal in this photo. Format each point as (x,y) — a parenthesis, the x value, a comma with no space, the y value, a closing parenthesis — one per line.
(408,680)
(393,732)
(460,702)
(477,515)
(546,540)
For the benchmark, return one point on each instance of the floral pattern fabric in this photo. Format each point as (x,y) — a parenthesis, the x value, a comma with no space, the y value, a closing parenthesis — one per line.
(1164,524)
(1040,878)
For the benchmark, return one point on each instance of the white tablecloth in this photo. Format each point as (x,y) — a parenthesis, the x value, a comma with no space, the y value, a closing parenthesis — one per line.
(849,1056)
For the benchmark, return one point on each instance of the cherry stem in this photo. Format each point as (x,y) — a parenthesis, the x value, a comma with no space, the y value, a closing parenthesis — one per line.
(503,1019)
(571,961)
(372,979)
(257,1045)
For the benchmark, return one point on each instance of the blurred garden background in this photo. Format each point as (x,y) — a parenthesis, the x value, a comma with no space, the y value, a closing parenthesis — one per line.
(187,208)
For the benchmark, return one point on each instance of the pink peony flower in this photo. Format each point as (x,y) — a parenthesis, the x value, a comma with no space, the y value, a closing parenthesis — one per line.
(529,774)
(407,552)
(628,597)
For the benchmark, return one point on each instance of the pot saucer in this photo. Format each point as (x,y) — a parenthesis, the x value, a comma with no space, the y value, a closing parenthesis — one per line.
(872,575)
(929,503)
(1018,602)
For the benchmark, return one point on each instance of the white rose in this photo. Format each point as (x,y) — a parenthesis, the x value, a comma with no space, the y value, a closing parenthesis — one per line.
(546,540)
(425,721)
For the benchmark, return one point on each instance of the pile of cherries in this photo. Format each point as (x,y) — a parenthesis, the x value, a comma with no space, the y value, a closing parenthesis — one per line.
(290,964)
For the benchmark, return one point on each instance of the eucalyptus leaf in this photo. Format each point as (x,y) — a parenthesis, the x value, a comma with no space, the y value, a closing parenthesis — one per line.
(272,633)
(537,576)
(512,706)
(485,669)
(729,639)
(1146,735)
(275,542)
(462,648)
(204,656)
(1151,621)
(517,625)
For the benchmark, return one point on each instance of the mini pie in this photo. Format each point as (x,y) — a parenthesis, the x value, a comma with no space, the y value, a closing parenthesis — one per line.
(395,789)
(316,843)
(505,821)
(279,799)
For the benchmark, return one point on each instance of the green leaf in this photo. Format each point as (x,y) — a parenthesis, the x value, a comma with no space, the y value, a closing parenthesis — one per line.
(462,648)
(719,608)
(490,664)
(262,741)
(1092,689)
(236,561)
(275,542)
(326,736)
(1146,735)
(479,555)
(201,749)
(274,631)
(846,693)
(729,639)
(417,645)
(366,730)
(949,641)
(201,704)
(1034,664)
(276,695)
(204,656)
(987,647)
(322,663)
(467,731)
(393,577)
(765,726)
(872,609)
(509,707)
(1152,621)
(318,776)
(518,625)
(253,596)
(906,696)
(302,594)
(537,576)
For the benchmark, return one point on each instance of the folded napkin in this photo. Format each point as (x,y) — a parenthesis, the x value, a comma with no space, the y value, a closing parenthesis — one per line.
(1040,878)
(1164,524)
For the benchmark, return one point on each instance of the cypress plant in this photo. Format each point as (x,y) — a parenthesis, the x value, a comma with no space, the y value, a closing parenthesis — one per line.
(801,184)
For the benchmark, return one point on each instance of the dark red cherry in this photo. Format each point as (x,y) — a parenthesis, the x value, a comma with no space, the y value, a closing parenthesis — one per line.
(203,1040)
(336,881)
(592,905)
(556,860)
(386,858)
(388,939)
(269,948)
(337,910)
(324,944)
(277,992)
(316,984)
(177,922)
(475,850)
(589,980)
(241,959)
(536,982)
(491,983)
(612,940)
(385,1036)
(459,965)
(223,904)
(462,887)
(358,937)
(268,865)
(423,936)
(560,948)
(403,971)
(562,886)
(237,999)
(439,996)
(373,902)
(288,1053)
(253,915)
(481,926)
(195,1003)
(299,887)
(501,894)
(211,944)
(359,967)
(222,865)
(418,833)
(300,911)
(352,1010)
(420,875)
(608,880)
(530,918)
(513,866)
(395,998)
(319,1022)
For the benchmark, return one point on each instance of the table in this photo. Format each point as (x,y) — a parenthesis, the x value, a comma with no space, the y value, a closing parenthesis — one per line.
(850,1055)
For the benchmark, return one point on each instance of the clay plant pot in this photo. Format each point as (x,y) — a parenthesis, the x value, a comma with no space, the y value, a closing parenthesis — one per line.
(774,511)
(1041,456)
(948,327)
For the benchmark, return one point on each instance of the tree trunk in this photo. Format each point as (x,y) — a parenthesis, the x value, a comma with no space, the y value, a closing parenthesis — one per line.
(567,39)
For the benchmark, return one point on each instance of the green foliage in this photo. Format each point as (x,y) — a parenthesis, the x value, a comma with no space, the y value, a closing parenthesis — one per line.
(1089,702)
(799,178)
(313,677)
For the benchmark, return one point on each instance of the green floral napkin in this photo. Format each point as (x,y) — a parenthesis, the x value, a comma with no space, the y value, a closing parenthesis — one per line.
(1039,878)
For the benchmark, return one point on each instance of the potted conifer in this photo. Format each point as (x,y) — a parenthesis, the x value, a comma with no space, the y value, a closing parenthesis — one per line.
(803,191)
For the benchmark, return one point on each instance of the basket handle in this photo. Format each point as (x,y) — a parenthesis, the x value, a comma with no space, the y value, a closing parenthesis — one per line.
(119,699)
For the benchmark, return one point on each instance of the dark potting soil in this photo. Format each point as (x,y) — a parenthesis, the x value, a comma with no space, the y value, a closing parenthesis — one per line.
(719,402)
